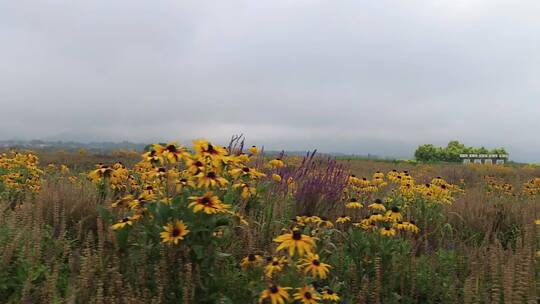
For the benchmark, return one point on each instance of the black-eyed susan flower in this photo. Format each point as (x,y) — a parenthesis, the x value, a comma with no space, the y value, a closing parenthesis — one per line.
(208,203)
(246,191)
(329,295)
(276,294)
(353,204)
(276,177)
(411,226)
(247,172)
(387,231)
(251,260)
(312,265)
(307,295)
(377,205)
(295,241)
(123,202)
(343,219)
(127,221)
(210,179)
(172,152)
(376,217)
(274,265)
(183,183)
(206,149)
(174,232)
(393,214)
(195,166)
(325,223)
(153,157)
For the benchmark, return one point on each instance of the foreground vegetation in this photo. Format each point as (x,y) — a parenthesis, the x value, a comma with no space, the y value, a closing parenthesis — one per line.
(228,225)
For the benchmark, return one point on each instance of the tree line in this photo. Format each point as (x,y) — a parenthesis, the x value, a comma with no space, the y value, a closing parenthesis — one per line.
(450,153)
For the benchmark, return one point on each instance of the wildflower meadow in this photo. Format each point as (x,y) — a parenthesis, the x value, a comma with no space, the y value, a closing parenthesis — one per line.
(206,223)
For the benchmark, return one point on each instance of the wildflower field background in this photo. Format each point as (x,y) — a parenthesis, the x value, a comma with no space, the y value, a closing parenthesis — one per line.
(213,224)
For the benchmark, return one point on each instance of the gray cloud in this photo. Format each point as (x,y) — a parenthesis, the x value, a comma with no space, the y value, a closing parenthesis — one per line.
(346,76)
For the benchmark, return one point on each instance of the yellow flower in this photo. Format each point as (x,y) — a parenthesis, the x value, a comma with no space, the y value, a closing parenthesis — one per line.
(174,233)
(386,231)
(100,173)
(393,214)
(125,222)
(276,294)
(330,295)
(276,163)
(307,295)
(184,182)
(208,203)
(251,260)
(206,149)
(377,205)
(313,265)
(343,219)
(354,205)
(274,265)
(123,202)
(172,152)
(211,179)
(276,178)
(537,222)
(246,190)
(246,171)
(253,150)
(295,241)
(195,166)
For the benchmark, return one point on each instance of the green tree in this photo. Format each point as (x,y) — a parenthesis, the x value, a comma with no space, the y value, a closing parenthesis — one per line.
(427,153)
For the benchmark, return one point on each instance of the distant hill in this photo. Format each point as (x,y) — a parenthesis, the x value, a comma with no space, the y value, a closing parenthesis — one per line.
(71,145)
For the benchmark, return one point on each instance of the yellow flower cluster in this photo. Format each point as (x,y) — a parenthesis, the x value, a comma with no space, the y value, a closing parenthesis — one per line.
(301,252)
(202,175)
(532,187)
(19,172)
(497,185)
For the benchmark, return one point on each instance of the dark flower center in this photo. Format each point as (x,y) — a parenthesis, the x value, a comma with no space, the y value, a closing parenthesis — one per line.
(198,164)
(251,257)
(245,169)
(330,291)
(273,289)
(210,149)
(125,220)
(297,235)
(275,263)
(316,262)
(395,209)
(307,295)
(206,201)
(175,232)
(171,148)
(211,175)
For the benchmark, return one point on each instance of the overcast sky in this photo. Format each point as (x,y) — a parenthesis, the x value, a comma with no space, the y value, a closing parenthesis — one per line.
(358,76)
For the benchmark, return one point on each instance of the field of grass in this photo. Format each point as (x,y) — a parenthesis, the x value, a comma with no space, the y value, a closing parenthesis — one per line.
(229,225)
